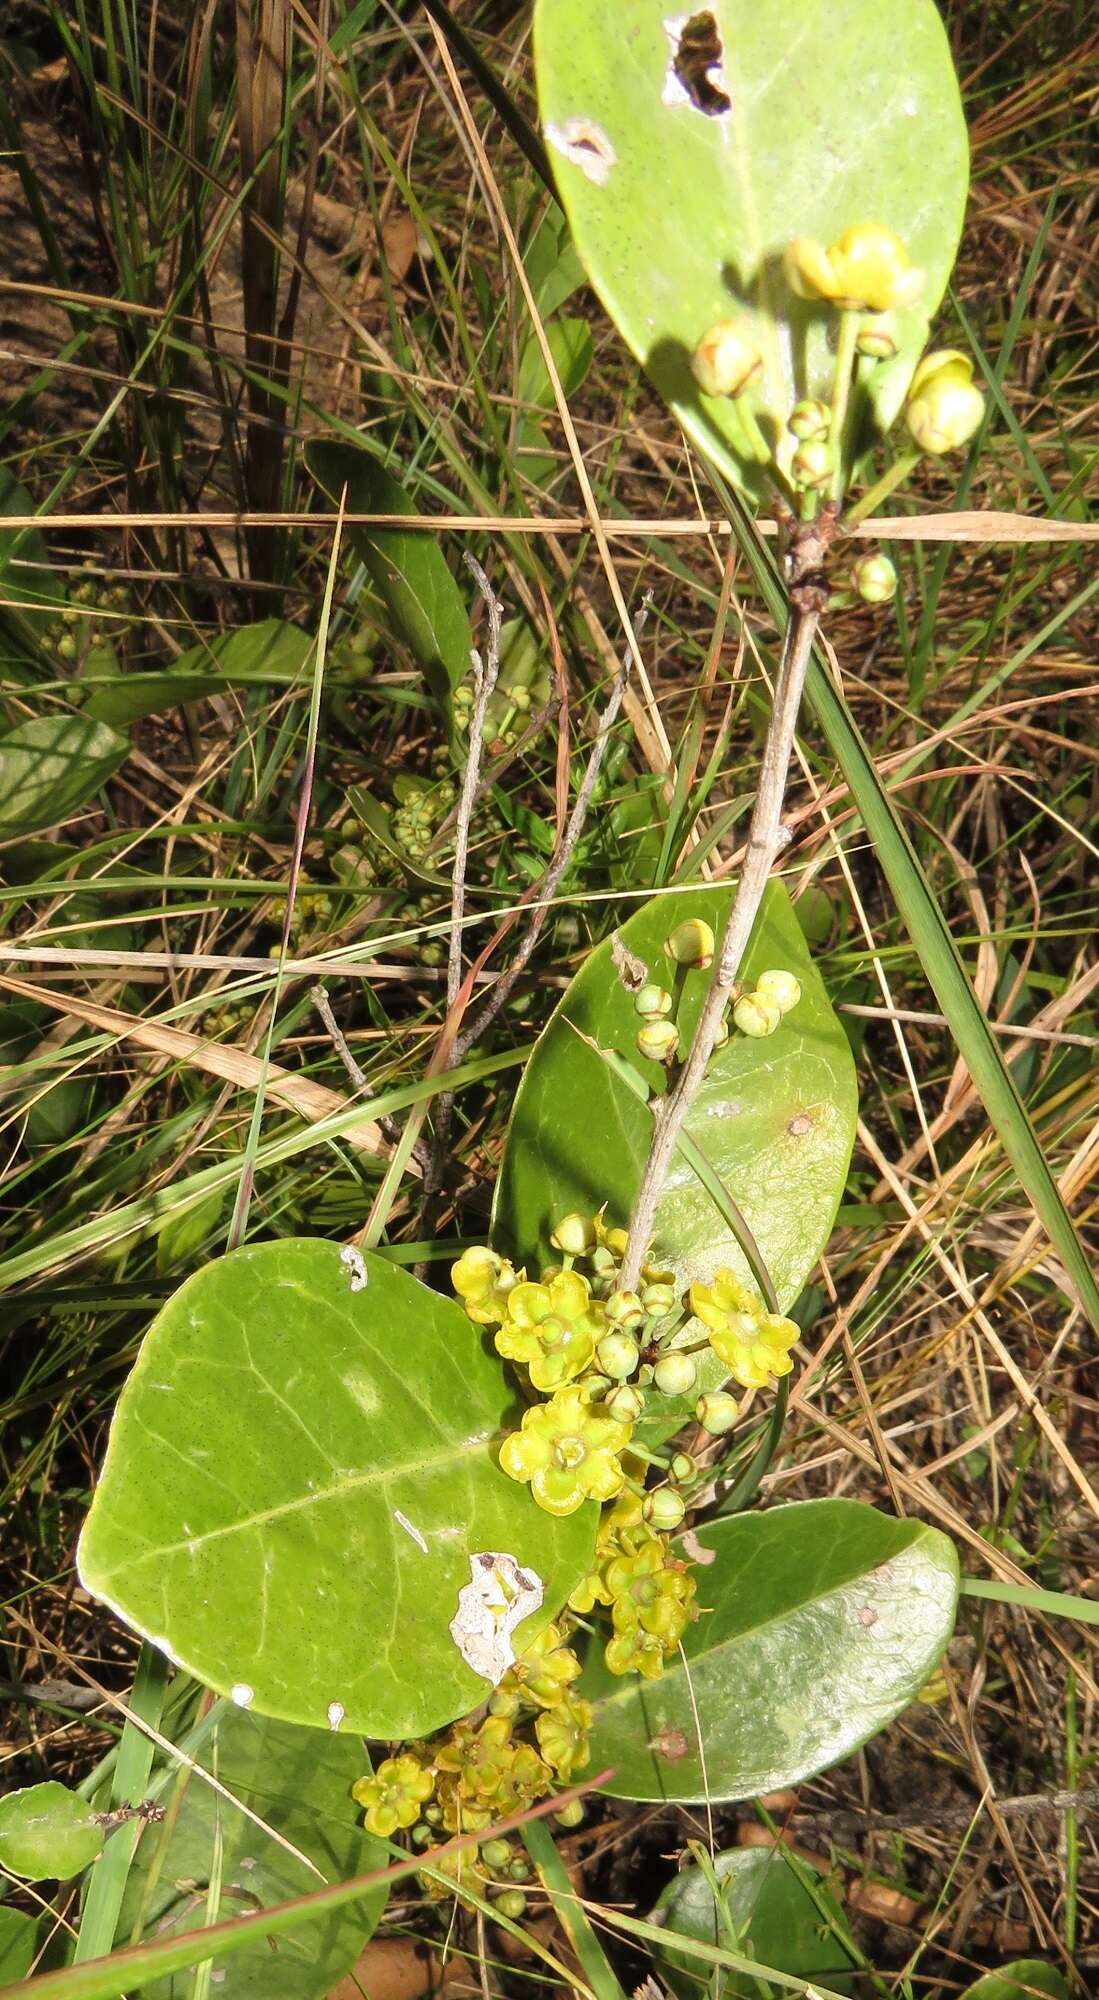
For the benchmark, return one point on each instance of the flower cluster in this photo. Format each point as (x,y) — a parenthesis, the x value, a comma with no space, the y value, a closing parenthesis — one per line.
(754,1344)
(867,278)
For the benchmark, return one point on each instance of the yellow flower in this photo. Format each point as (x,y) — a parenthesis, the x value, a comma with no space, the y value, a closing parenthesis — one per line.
(562,1734)
(638,1650)
(483,1282)
(394,1795)
(753,1344)
(944,404)
(544,1671)
(867,269)
(652,1592)
(567,1453)
(553,1327)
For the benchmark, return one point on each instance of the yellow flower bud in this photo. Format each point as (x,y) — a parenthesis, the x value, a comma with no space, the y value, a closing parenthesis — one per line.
(813,462)
(727,359)
(944,404)
(574,1235)
(867,269)
(810,419)
(878,337)
(755,1015)
(658,1040)
(691,943)
(781,988)
(875,579)
(654,1003)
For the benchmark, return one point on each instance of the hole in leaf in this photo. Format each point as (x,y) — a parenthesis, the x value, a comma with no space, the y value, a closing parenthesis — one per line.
(698,55)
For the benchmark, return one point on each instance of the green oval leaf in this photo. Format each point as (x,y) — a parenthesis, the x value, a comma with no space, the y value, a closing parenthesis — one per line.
(298,1782)
(767,124)
(51,765)
(271,652)
(300,1468)
(776,1918)
(18,1944)
(819,1623)
(47,1831)
(1021,1980)
(775,1118)
(406,567)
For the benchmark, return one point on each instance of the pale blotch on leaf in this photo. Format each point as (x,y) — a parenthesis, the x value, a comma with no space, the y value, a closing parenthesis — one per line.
(336,1713)
(241,1694)
(352,1260)
(497,1598)
(586,145)
(403,1521)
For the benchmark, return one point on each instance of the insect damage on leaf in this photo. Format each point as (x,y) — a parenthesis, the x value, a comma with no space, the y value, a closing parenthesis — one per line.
(497,1598)
(694,73)
(586,145)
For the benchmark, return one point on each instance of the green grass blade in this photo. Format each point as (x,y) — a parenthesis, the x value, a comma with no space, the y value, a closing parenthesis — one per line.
(571,1913)
(107,1881)
(1055,1603)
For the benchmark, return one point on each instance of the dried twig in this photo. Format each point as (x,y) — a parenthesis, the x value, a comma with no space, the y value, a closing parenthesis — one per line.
(808,594)
(547,888)
(485,674)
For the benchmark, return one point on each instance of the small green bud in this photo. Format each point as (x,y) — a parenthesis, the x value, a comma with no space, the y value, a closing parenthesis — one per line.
(877,337)
(511,1903)
(675,1373)
(519,1869)
(683,1468)
(574,1235)
(727,359)
(655,1003)
(422,1835)
(809,419)
(875,579)
(722,1034)
(625,1404)
(520,699)
(813,463)
(691,943)
(66,647)
(663,1509)
(658,1040)
(781,988)
(755,1015)
(625,1309)
(717,1413)
(658,1298)
(570,1815)
(618,1356)
(496,1854)
(433,1815)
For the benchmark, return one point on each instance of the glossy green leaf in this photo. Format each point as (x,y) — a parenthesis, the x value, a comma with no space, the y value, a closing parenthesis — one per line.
(270,652)
(18,1944)
(686,162)
(50,766)
(298,1782)
(775,1118)
(771,1913)
(300,1468)
(1023,1979)
(47,1831)
(819,1623)
(406,567)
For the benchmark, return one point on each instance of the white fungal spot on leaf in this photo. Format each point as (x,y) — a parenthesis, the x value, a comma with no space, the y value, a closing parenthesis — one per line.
(586,145)
(352,1259)
(336,1713)
(242,1694)
(403,1521)
(497,1598)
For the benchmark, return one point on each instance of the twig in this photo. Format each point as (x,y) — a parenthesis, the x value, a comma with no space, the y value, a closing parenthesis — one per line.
(323,1006)
(547,888)
(808,595)
(485,675)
